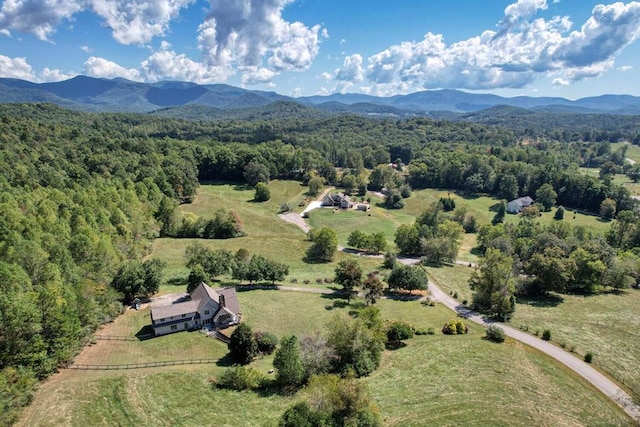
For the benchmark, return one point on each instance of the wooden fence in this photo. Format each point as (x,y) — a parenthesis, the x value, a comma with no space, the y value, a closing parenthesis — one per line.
(142,365)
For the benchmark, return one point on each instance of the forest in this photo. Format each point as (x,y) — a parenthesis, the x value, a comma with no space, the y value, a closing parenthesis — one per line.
(82,195)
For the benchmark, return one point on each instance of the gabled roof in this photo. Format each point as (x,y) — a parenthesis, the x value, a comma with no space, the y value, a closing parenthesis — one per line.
(200,297)
(523,201)
(171,310)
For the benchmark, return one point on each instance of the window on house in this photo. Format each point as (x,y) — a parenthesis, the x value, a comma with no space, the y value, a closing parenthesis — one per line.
(184,315)
(174,327)
(206,312)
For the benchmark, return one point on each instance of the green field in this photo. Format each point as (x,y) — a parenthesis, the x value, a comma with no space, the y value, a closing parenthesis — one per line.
(434,380)
(605,324)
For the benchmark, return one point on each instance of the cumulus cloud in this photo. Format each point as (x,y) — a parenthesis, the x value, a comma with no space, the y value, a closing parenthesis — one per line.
(16,68)
(103,68)
(166,64)
(252,35)
(521,49)
(138,21)
(49,75)
(255,75)
(19,68)
(131,21)
(38,17)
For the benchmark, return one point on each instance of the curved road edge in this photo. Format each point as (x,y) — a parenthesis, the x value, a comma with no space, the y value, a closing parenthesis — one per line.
(586,371)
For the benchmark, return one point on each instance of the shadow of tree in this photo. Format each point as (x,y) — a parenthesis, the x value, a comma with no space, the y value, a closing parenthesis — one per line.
(550,300)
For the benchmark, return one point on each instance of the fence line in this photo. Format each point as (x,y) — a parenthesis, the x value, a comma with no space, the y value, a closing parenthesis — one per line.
(122,338)
(142,365)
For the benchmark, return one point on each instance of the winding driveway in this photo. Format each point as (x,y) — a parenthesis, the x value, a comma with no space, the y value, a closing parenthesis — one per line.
(586,371)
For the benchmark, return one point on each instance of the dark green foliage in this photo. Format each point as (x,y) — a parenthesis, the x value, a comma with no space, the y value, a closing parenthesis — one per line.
(399,331)
(608,208)
(266,342)
(302,415)
(390,259)
(214,262)
(495,333)
(493,285)
(288,362)
(258,268)
(393,200)
(135,278)
(315,186)
(349,275)
(500,213)
(242,345)
(17,386)
(262,193)
(448,204)
(255,173)
(546,335)
(559,215)
(546,196)
(373,288)
(588,357)
(325,244)
(333,402)
(455,327)
(356,343)
(239,378)
(197,275)
(407,278)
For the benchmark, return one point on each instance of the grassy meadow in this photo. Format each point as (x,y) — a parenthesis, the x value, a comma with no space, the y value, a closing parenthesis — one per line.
(434,380)
(604,324)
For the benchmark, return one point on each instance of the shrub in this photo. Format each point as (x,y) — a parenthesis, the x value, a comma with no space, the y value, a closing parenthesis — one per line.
(421,331)
(328,280)
(262,193)
(294,280)
(306,281)
(266,342)
(464,302)
(431,331)
(454,326)
(239,378)
(588,357)
(319,281)
(399,330)
(546,335)
(455,295)
(390,259)
(495,333)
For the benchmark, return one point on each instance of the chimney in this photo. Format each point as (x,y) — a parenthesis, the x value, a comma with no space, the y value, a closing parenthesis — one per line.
(221,299)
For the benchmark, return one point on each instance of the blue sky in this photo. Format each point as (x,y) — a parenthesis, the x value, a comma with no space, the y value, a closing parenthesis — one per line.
(569,48)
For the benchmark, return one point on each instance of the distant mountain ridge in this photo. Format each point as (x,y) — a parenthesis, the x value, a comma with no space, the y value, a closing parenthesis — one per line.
(121,95)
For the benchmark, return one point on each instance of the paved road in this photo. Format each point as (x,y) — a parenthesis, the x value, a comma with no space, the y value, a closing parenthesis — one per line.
(586,371)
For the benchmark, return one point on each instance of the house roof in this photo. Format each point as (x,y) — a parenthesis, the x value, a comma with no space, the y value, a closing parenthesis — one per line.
(523,201)
(199,298)
(178,309)
(231,303)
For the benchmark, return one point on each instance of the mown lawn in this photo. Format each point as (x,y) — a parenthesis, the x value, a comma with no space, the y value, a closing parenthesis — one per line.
(434,380)
(606,325)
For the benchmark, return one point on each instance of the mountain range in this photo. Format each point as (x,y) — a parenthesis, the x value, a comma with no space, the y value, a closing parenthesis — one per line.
(121,95)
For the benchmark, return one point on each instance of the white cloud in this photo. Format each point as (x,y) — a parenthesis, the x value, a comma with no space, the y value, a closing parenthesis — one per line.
(255,75)
(48,75)
(131,21)
(325,33)
(166,64)
(103,68)
(86,49)
(252,33)
(38,17)
(138,21)
(296,93)
(522,49)
(16,68)
(351,70)
(625,68)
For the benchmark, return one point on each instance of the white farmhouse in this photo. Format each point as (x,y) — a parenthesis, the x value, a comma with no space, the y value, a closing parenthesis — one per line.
(515,206)
(207,308)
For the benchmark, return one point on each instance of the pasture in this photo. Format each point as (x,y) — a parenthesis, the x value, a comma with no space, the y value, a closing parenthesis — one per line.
(434,380)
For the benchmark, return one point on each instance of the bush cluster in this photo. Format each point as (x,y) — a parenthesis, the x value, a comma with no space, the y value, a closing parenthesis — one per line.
(495,333)
(454,327)
(399,330)
(239,378)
